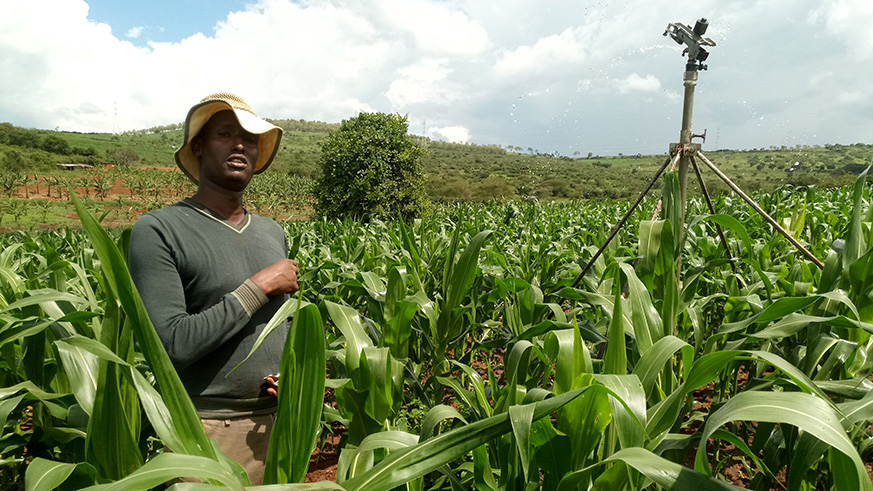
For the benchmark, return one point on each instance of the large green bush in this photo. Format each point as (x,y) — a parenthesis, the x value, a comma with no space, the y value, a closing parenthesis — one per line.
(371,168)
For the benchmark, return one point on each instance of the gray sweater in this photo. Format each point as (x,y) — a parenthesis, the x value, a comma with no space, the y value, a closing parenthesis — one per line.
(192,269)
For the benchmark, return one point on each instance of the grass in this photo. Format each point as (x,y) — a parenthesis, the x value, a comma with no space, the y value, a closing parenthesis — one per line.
(482,172)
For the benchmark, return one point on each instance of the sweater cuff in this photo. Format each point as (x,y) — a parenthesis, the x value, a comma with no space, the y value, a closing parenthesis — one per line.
(250,296)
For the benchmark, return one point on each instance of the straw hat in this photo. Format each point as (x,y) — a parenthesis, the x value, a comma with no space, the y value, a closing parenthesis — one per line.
(268,142)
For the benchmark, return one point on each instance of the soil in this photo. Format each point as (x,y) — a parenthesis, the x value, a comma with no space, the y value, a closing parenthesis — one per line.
(38,190)
(323,463)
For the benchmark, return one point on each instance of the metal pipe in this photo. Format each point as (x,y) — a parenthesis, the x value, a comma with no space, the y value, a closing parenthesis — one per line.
(689,81)
(621,222)
(761,212)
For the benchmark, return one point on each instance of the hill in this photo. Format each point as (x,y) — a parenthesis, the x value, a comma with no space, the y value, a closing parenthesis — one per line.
(456,171)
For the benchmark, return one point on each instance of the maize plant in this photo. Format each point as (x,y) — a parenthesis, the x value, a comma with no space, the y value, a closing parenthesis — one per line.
(677,362)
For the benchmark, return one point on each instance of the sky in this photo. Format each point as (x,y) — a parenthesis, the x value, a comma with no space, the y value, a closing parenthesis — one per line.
(566,76)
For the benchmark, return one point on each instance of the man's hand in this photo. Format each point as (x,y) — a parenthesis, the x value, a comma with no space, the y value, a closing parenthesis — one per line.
(271,383)
(280,277)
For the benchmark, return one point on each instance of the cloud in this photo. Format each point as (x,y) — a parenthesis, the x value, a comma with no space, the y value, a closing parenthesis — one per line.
(454,134)
(419,83)
(852,97)
(848,21)
(556,76)
(135,32)
(544,55)
(434,28)
(635,83)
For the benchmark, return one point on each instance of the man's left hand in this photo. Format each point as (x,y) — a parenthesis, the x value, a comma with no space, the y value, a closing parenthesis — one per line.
(272,384)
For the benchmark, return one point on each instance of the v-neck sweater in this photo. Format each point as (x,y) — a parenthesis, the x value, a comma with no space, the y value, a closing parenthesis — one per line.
(192,269)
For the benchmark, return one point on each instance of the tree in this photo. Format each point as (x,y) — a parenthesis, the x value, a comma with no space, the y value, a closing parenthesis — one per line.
(55,144)
(124,156)
(371,168)
(12,161)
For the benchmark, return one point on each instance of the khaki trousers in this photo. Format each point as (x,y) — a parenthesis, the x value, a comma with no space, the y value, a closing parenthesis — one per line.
(244,440)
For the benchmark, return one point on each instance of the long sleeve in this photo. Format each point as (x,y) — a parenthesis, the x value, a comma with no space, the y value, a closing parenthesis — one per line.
(193,272)
(186,336)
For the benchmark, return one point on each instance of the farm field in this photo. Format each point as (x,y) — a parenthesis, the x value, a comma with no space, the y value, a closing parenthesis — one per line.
(119,195)
(455,172)
(459,351)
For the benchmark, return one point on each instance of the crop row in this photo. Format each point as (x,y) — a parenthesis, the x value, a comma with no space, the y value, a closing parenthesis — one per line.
(648,371)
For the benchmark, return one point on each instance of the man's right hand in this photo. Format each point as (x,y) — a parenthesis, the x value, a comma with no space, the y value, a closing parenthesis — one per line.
(280,277)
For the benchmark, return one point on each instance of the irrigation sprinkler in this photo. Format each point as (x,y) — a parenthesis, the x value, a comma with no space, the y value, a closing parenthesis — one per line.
(684,152)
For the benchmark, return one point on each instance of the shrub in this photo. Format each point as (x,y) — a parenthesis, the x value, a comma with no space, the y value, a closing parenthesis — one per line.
(371,168)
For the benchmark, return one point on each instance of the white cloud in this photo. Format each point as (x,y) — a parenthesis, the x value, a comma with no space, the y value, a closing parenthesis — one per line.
(545,55)
(852,97)
(135,32)
(436,28)
(425,81)
(635,83)
(560,75)
(849,21)
(454,134)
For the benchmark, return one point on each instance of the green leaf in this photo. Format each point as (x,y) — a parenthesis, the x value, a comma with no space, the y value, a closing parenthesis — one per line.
(42,296)
(33,392)
(855,241)
(46,475)
(646,322)
(628,402)
(654,360)
(80,367)
(673,213)
(349,322)
(111,445)
(168,466)
(734,226)
(436,415)
(398,315)
(192,435)
(650,245)
(463,275)
(403,466)
(301,396)
(667,277)
(807,412)
(521,418)
(667,474)
(615,360)
(584,419)
(558,346)
(290,305)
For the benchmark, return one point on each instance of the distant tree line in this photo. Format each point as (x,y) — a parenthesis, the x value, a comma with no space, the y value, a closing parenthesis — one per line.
(304,126)
(155,130)
(10,135)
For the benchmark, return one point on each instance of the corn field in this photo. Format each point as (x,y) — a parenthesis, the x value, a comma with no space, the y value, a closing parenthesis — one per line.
(651,373)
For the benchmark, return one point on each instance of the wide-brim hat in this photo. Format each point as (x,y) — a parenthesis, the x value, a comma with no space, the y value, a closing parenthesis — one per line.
(198,116)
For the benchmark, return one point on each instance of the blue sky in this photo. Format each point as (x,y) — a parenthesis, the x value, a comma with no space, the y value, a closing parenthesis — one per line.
(161,20)
(564,76)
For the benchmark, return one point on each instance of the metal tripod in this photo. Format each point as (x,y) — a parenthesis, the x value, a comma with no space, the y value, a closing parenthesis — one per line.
(685,152)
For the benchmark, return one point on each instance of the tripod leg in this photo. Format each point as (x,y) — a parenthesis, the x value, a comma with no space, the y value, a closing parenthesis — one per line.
(661,197)
(727,251)
(761,212)
(621,222)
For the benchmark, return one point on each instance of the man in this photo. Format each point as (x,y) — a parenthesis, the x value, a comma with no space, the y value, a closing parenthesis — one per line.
(211,276)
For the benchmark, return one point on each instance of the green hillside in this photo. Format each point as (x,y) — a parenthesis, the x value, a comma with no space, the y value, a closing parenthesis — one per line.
(456,171)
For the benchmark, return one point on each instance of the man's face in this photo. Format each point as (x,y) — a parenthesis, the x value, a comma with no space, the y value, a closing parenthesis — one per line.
(227,153)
